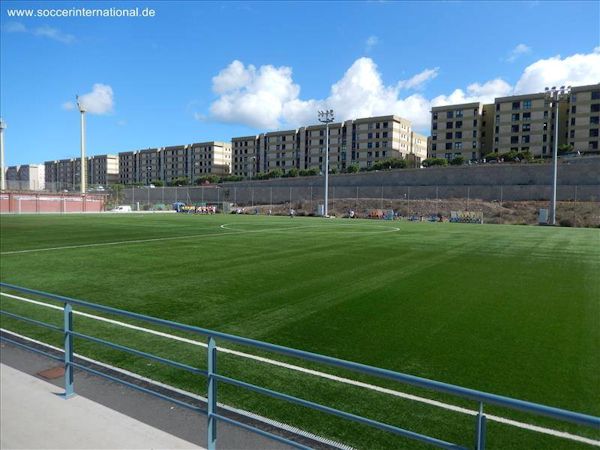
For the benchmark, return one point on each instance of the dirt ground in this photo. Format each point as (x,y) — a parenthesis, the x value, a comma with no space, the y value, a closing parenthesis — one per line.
(569,214)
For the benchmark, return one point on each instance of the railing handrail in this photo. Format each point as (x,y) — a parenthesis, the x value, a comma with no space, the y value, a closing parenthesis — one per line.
(471,394)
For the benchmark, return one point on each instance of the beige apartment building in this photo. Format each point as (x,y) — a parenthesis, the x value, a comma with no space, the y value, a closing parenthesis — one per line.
(101,170)
(518,123)
(456,130)
(190,161)
(525,123)
(362,142)
(584,118)
(209,158)
(245,158)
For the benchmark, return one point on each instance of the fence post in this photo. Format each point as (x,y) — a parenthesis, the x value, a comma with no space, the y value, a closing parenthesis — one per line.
(68,348)
(480,437)
(212,394)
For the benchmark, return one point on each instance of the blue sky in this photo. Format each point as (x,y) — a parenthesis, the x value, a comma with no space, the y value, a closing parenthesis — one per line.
(201,71)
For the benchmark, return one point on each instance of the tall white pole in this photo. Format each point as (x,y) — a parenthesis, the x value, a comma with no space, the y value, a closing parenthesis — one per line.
(2,168)
(326,210)
(326,117)
(555,168)
(83,167)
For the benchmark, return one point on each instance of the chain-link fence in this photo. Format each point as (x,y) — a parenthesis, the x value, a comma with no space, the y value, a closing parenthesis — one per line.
(578,204)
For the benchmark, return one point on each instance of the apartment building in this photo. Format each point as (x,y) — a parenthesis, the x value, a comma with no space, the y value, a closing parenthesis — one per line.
(456,130)
(245,159)
(189,161)
(101,170)
(280,150)
(517,123)
(210,158)
(31,177)
(361,141)
(525,123)
(584,118)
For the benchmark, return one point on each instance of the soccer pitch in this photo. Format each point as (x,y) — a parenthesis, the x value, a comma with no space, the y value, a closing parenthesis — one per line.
(510,310)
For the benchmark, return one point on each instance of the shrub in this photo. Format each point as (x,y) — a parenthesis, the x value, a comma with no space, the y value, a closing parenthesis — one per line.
(179,181)
(158,183)
(565,223)
(292,173)
(352,168)
(457,161)
(435,162)
(208,179)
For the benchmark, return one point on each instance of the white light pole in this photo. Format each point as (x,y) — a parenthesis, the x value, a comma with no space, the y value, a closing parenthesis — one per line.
(83,179)
(326,117)
(2,173)
(555,96)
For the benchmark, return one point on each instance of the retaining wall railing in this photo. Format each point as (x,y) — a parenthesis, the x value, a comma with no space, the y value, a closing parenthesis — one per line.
(213,377)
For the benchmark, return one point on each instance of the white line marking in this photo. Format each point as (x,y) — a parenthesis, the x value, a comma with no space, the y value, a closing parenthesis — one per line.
(379,389)
(242,412)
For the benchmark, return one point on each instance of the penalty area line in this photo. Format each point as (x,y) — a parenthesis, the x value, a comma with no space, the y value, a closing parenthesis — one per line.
(442,405)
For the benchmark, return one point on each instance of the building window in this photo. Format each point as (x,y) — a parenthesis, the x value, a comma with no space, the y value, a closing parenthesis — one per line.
(595,95)
(527,116)
(573,98)
(433,147)
(572,121)
(457,135)
(573,109)
(474,133)
(475,123)
(448,145)
(593,145)
(526,104)
(594,132)
(516,105)
(449,124)
(515,117)
(594,120)
(474,144)
(514,128)
(595,108)
(459,113)
(572,134)
(525,139)
(459,124)
(449,114)
(526,127)
(449,135)
(458,145)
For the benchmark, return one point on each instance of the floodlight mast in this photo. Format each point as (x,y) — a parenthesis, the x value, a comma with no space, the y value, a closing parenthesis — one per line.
(82,171)
(555,96)
(2,168)
(326,117)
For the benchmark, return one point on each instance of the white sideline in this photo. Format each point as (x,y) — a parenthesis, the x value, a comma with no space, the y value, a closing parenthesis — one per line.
(171,238)
(526,426)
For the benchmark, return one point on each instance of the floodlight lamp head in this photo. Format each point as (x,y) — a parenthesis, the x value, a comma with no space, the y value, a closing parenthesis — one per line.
(79,105)
(2,124)
(546,89)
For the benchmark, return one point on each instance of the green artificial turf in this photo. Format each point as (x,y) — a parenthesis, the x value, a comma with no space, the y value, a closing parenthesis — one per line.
(510,310)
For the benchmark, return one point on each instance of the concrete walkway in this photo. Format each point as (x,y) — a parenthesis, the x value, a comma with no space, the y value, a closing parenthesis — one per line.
(35,416)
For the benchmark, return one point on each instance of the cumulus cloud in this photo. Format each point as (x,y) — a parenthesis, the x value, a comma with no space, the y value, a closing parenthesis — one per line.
(519,50)
(371,42)
(99,101)
(267,98)
(577,69)
(419,80)
(43,31)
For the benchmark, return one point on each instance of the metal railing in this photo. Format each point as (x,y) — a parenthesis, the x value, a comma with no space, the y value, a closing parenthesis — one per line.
(213,377)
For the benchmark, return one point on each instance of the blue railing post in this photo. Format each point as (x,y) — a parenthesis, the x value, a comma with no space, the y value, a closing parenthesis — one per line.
(68,347)
(212,394)
(480,438)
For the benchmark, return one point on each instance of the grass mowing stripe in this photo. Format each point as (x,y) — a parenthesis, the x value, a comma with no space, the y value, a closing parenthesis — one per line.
(436,403)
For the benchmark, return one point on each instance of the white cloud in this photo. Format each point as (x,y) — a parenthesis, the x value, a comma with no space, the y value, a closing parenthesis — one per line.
(267,98)
(371,42)
(15,27)
(43,31)
(54,33)
(519,50)
(419,80)
(577,69)
(99,101)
